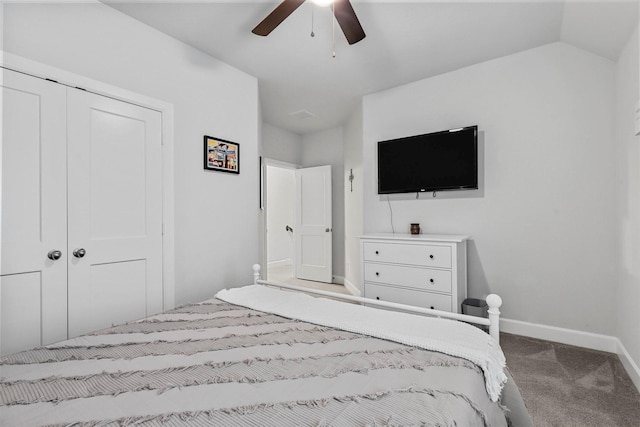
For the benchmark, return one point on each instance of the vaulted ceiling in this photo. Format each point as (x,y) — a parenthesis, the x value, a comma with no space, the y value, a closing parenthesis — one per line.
(405,42)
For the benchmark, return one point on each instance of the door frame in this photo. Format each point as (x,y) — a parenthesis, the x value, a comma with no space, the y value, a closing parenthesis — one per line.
(264,257)
(40,70)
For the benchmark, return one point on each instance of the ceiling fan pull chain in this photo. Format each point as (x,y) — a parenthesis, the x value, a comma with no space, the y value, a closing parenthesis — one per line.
(313,34)
(333,27)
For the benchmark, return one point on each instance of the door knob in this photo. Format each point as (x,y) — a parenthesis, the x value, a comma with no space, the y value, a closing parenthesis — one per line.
(54,255)
(79,253)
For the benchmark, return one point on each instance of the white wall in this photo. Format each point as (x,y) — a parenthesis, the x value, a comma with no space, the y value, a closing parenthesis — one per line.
(353,195)
(2,22)
(543,229)
(280,204)
(326,148)
(280,144)
(628,185)
(215,213)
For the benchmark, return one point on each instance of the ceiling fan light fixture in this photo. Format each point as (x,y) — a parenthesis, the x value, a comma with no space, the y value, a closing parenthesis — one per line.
(342,11)
(323,3)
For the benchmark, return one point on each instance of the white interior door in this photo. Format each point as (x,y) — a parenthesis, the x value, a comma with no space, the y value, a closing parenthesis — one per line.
(313,224)
(33,287)
(115,212)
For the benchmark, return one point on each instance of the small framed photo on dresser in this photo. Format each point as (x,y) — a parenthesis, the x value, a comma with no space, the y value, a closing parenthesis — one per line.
(221,155)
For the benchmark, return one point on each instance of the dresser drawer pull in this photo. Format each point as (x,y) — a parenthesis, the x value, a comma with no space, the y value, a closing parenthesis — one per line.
(432,308)
(377,253)
(377,298)
(377,274)
(431,256)
(432,281)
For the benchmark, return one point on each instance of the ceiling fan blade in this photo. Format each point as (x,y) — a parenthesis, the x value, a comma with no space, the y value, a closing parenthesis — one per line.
(275,18)
(346,17)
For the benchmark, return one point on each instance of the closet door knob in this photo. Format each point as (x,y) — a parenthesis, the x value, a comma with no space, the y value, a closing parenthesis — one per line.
(54,255)
(79,253)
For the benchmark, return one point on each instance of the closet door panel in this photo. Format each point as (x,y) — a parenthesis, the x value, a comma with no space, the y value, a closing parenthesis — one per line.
(33,287)
(116,294)
(115,212)
(117,176)
(21,311)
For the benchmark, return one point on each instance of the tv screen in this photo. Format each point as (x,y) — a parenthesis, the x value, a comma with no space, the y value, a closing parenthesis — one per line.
(438,161)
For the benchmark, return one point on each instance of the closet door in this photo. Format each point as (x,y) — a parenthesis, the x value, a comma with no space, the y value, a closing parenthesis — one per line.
(33,286)
(115,212)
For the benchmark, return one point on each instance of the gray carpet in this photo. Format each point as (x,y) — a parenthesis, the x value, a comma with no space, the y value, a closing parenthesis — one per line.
(569,386)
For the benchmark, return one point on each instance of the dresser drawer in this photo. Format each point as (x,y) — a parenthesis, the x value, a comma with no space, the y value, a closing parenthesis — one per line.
(409,297)
(425,279)
(422,255)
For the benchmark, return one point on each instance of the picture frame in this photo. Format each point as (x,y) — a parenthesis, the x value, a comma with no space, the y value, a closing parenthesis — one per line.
(221,155)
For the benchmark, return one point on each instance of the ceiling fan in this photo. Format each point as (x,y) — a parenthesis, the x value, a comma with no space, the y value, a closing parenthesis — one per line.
(342,10)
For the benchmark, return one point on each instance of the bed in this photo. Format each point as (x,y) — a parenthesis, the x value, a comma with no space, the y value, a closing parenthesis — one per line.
(262,356)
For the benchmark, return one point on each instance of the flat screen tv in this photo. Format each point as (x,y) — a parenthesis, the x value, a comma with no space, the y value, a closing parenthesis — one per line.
(439,161)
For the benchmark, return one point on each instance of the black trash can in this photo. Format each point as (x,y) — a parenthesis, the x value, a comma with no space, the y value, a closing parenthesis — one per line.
(476,307)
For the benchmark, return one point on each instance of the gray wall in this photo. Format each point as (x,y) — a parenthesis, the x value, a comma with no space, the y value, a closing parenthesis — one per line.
(280,144)
(353,197)
(627,301)
(543,226)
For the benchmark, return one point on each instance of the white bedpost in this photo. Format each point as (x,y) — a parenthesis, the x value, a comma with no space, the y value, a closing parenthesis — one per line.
(256,273)
(494,302)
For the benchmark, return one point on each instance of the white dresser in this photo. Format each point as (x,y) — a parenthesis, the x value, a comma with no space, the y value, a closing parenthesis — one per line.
(426,270)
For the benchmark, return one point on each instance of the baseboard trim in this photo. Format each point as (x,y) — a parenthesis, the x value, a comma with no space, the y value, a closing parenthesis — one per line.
(351,288)
(280,263)
(561,335)
(629,365)
(337,279)
(578,338)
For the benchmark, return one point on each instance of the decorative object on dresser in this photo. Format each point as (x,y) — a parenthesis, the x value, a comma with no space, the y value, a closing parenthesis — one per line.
(426,270)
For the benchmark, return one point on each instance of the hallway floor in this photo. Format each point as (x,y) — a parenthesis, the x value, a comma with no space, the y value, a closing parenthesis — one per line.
(284,274)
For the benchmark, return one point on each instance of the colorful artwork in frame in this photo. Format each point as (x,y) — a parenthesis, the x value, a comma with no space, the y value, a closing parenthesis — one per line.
(221,155)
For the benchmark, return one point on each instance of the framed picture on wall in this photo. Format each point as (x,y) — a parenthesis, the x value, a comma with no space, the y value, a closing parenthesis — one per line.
(221,155)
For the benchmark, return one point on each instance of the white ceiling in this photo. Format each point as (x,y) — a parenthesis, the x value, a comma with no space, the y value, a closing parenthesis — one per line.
(406,41)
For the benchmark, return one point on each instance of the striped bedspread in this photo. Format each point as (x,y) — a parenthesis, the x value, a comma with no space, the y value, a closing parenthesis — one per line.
(216,363)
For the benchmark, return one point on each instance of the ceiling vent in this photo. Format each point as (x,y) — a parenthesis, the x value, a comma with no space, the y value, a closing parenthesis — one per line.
(302,114)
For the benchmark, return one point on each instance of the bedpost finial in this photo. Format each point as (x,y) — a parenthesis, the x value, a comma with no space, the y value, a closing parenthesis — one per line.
(256,273)
(494,301)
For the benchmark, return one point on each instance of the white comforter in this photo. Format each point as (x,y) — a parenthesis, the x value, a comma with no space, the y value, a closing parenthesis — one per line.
(222,363)
(446,336)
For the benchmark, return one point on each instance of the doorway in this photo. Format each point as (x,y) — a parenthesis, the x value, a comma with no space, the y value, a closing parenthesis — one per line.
(297,224)
(279,219)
